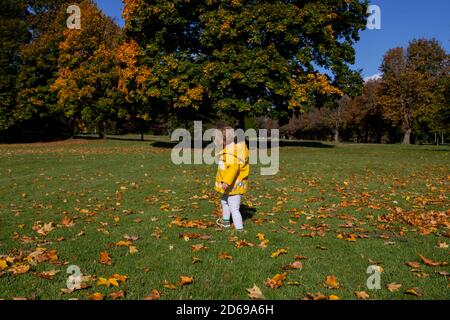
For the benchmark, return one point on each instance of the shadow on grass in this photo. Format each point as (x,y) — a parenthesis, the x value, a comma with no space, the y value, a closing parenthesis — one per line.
(247,212)
(305,144)
(283,143)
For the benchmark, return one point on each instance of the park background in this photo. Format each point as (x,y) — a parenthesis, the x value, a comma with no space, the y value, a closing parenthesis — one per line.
(88,194)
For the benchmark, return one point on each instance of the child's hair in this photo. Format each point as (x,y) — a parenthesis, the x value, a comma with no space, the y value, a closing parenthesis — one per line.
(227,134)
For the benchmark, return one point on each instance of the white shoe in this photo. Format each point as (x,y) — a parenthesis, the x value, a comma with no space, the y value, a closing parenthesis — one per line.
(220,223)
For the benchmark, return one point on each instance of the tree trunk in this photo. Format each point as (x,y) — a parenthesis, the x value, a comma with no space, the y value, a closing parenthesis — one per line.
(407,137)
(240,121)
(101,130)
(336,136)
(142,136)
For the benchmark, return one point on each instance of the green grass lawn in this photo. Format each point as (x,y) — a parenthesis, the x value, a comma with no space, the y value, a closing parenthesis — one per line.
(342,208)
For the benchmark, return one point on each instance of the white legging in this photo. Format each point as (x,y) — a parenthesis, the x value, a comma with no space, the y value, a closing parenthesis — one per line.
(230,207)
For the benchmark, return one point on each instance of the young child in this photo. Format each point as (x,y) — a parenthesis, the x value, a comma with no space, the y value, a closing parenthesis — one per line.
(232,178)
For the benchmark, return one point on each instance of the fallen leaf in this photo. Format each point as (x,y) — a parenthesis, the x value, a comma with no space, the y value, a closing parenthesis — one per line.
(393,287)
(96,296)
(184,280)
(198,247)
(255,293)
(278,253)
(117,295)
(154,295)
(334,297)
(414,291)
(119,277)
(413,264)
(442,245)
(276,281)
(432,263)
(316,297)
(293,265)
(130,238)
(225,256)
(195,260)
(49,275)
(168,285)
(19,269)
(133,250)
(331,282)
(3,264)
(105,258)
(362,295)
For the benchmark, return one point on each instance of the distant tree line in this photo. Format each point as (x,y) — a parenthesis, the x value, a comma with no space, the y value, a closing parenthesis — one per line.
(248,63)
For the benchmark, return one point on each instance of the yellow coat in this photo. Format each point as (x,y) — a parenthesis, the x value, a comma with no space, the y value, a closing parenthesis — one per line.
(234,169)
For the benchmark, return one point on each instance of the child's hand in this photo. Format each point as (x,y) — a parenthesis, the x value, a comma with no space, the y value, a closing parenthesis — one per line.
(225,186)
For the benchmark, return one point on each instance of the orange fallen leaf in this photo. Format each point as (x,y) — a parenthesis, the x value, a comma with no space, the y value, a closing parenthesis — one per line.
(154,295)
(49,275)
(276,281)
(168,285)
(119,277)
(225,256)
(198,247)
(432,263)
(362,295)
(96,296)
(105,258)
(184,280)
(122,244)
(19,269)
(331,282)
(334,297)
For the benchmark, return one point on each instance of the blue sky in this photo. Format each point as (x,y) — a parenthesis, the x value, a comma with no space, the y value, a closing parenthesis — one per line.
(401,21)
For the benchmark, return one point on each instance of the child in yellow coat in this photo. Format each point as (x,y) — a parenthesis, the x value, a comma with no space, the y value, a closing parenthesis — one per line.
(232,178)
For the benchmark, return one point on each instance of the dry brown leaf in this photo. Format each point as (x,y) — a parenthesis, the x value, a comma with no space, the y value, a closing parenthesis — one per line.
(49,275)
(432,263)
(255,293)
(414,291)
(393,287)
(117,295)
(198,247)
(413,264)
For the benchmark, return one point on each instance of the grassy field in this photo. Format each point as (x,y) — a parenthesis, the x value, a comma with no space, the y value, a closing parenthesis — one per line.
(336,209)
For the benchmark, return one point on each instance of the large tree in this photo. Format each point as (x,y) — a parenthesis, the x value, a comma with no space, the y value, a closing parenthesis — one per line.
(46,21)
(87,78)
(14,34)
(413,85)
(241,56)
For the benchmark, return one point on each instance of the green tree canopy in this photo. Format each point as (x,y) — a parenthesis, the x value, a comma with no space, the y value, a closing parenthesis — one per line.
(241,56)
